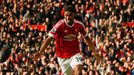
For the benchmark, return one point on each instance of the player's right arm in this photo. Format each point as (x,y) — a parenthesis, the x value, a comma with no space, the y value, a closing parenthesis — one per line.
(51,34)
(43,47)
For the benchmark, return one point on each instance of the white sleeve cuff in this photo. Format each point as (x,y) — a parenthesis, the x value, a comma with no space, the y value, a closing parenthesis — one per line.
(51,35)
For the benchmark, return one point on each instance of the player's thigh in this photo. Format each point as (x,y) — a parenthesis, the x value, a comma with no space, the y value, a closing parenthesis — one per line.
(65,66)
(76,61)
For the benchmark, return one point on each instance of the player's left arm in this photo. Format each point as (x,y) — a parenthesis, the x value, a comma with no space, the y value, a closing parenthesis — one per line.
(86,38)
(91,46)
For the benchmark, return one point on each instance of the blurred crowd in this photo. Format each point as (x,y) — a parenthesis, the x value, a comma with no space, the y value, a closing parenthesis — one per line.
(103,21)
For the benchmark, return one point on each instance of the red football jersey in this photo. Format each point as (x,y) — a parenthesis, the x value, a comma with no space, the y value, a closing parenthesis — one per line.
(66,37)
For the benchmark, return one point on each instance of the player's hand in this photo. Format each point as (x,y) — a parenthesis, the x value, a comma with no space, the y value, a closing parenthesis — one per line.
(36,57)
(97,56)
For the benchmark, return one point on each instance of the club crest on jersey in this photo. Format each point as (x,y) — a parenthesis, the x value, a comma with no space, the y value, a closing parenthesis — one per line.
(65,31)
(76,30)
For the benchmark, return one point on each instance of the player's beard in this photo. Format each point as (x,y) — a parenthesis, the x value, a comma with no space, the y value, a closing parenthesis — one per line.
(70,21)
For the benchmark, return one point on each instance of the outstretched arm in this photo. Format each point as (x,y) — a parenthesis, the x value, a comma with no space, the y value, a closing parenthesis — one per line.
(90,44)
(43,47)
(45,44)
(92,48)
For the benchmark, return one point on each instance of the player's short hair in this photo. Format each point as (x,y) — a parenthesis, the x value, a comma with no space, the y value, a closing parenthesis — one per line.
(69,8)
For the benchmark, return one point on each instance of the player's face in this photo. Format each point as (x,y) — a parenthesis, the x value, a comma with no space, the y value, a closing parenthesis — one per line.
(69,16)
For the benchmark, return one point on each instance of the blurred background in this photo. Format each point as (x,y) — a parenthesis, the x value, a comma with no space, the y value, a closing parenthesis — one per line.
(24,25)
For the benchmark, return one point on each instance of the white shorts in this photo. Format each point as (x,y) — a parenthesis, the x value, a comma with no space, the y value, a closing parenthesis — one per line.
(67,65)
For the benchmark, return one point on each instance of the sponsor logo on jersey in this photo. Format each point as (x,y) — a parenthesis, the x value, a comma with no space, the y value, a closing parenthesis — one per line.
(70,37)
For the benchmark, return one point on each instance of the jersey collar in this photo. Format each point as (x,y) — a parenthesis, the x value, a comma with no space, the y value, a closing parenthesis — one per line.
(67,24)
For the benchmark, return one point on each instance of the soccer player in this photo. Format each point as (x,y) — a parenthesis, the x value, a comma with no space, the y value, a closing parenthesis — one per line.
(66,32)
